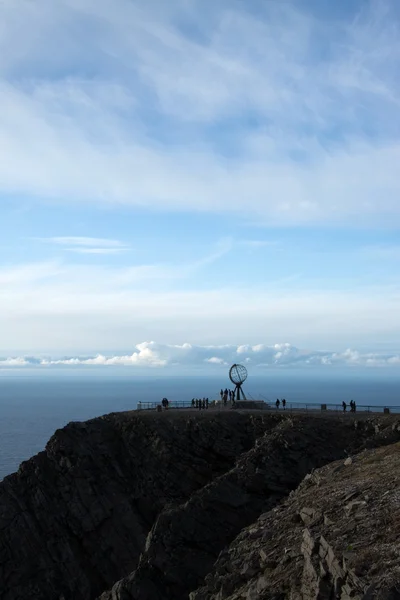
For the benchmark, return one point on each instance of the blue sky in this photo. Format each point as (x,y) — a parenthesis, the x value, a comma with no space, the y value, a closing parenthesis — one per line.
(222,174)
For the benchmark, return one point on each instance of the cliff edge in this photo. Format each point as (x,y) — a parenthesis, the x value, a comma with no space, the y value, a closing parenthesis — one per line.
(146,505)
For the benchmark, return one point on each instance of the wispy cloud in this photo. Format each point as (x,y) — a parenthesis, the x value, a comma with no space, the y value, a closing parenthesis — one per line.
(93,139)
(89,242)
(233,114)
(85,306)
(88,245)
(96,250)
(84,278)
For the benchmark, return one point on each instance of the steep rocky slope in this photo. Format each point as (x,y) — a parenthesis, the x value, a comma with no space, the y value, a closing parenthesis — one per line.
(74,519)
(144,503)
(336,537)
(186,540)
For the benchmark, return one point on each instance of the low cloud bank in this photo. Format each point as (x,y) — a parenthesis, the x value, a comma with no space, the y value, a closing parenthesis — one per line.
(152,354)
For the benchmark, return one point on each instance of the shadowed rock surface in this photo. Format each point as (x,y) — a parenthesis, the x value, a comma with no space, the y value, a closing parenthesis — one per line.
(74,519)
(186,540)
(336,537)
(143,502)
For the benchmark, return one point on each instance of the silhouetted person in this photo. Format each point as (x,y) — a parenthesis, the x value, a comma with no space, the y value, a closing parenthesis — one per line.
(193,403)
(221,393)
(344,406)
(225,399)
(197,403)
(284,404)
(206,402)
(277,403)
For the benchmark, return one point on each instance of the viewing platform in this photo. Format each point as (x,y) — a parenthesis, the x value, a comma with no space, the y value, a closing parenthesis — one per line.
(291,407)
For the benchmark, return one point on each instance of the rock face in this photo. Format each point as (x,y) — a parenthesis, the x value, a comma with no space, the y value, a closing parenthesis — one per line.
(74,519)
(335,537)
(146,505)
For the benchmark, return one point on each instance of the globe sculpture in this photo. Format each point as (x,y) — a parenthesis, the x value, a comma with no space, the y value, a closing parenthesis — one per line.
(238,375)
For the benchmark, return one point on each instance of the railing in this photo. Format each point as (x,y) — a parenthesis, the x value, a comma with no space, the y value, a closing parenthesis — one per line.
(174,404)
(325,407)
(265,404)
(171,404)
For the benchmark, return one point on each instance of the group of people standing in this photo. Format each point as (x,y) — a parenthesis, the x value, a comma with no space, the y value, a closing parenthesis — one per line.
(201,404)
(278,403)
(227,394)
(352,406)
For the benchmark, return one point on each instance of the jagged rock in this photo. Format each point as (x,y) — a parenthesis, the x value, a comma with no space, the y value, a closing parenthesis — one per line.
(309,515)
(185,542)
(339,558)
(354,506)
(144,504)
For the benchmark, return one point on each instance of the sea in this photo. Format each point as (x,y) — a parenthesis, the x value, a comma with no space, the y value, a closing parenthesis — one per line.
(33,406)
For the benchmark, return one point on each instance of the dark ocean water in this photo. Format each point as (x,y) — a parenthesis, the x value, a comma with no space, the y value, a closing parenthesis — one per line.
(33,407)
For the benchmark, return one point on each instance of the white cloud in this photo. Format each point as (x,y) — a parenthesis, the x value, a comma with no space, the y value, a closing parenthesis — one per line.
(152,354)
(14,362)
(87,245)
(96,250)
(214,360)
(88,140)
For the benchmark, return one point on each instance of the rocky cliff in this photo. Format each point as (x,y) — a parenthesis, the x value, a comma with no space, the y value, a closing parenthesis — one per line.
(149,506)
(336,537)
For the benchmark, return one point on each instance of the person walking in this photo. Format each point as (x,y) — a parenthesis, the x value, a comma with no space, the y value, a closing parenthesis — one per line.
(277,403)
(284,404)
(344,406)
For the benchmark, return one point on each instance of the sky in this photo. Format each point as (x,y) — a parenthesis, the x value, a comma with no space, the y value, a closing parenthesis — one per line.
(181,180)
